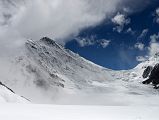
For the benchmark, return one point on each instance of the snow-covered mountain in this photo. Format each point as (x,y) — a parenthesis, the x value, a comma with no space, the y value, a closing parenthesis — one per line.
(46,72)
(46,68)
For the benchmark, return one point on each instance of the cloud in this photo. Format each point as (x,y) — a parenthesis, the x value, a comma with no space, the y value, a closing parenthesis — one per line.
(154,37)
(154,44)
(59,19)
(152,49)
(139,46)
(157,15)
(56,18)
(130,31)
(141,58)
(10,41)
(143,34)
(90,41)
(104,43)
(120,20)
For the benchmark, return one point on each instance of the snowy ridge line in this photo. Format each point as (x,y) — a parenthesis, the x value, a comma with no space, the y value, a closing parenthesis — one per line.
(67,53)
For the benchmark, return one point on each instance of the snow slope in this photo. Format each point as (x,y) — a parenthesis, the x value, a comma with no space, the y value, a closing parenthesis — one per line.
(8,96)
(46,72)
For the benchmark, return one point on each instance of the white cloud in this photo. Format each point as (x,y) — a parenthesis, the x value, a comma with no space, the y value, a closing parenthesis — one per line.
(104,43)
(154,45)
(57,18)
(157,15)
(154,37)
(130,31)
(143,34)
(153,48)
(89,41)
(120,20)
(157,11)
(61,19)
(139,46)
(141,58)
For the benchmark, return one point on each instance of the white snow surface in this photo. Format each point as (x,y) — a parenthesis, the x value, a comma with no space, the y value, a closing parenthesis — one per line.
(58,112)
(45,72)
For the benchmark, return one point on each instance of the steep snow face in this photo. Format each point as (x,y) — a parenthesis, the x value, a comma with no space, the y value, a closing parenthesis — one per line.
(46,72)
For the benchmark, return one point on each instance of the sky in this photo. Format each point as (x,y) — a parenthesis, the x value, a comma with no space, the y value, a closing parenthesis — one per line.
(116,34)
(128,39)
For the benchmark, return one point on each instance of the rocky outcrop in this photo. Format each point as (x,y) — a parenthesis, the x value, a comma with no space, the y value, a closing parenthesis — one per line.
(147,71)
(154,76)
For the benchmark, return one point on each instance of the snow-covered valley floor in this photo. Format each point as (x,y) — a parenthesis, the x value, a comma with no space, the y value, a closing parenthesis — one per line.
(65,112)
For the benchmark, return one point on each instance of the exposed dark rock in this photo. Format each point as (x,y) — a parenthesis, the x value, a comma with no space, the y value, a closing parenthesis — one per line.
(25,98)
(48,41)
(7,87)
(148,81)
(154,77)
(147,71)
